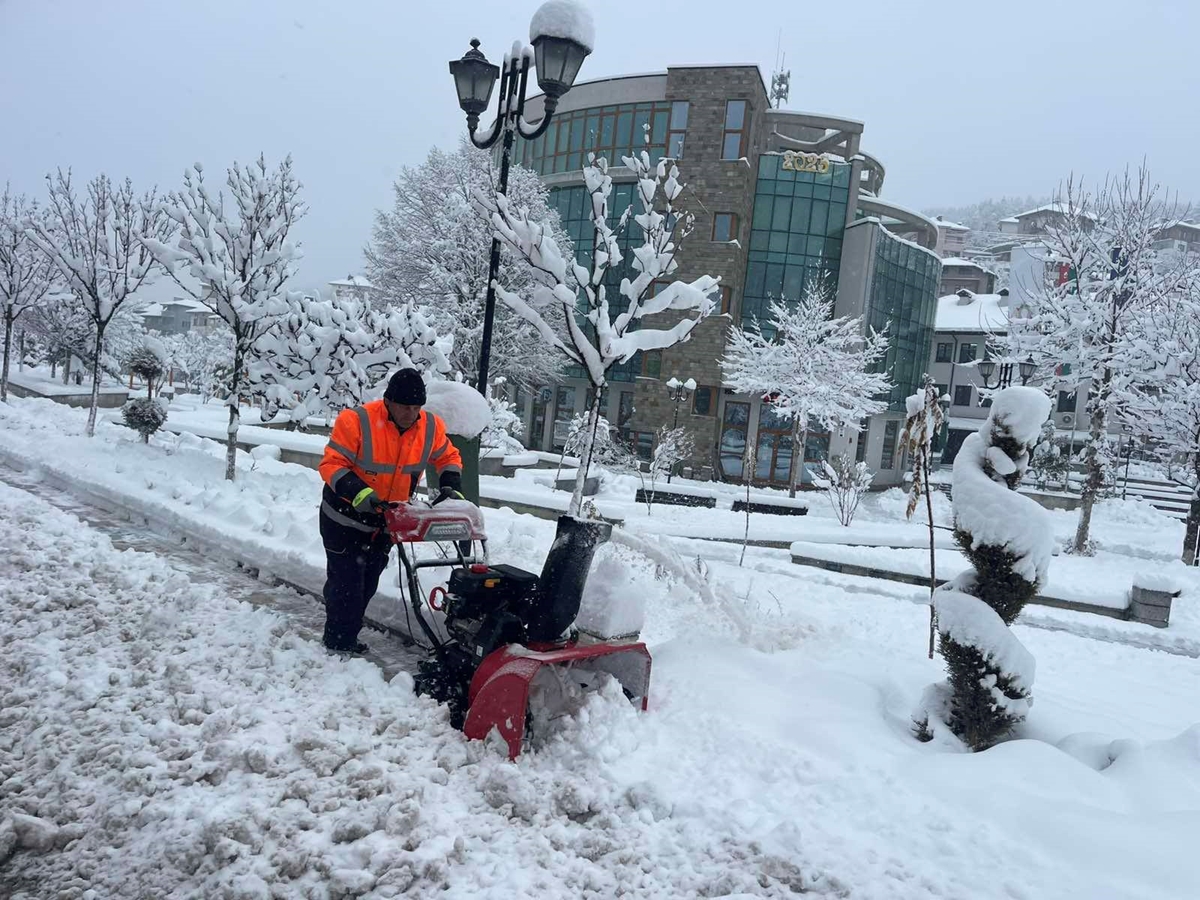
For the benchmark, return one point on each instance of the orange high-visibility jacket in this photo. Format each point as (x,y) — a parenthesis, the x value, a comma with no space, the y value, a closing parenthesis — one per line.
(367,444)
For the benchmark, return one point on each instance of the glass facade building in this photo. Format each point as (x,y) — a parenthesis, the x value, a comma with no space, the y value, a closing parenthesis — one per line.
(795,232)
(903,300)
(573,205)
(609,131)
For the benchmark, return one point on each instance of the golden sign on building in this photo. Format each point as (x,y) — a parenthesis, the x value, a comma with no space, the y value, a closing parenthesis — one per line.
(794,161)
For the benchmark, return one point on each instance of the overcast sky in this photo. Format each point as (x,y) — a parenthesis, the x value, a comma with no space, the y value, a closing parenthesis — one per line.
(961,101)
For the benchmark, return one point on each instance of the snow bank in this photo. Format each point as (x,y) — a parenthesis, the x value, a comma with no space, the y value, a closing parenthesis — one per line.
(564,19)
(461,407)
(1157,581)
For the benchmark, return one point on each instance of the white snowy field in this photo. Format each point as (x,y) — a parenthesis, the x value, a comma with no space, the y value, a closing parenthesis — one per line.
(162,740)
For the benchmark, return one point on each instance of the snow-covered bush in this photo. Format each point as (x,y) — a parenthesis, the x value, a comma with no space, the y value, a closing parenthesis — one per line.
(671,447)
(506,425)
(148,362)
(1050,462)
(1008,539)
(323,356)
(144,415)
(202,357)
(844,483)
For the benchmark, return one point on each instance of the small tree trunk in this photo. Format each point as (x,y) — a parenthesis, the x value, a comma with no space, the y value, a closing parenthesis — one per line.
(1192,532)
(95,403)
(1093,480)
(66,372)
(21,352)
(799,439)
(234,414)
(932,559)
(8,327)
(585,457)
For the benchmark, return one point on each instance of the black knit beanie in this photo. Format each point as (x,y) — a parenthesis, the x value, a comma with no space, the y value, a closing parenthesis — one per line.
(406,387)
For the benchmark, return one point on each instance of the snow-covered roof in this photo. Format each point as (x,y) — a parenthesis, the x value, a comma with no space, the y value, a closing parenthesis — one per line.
(983,313)
(961,261)
(1008,219)
(352,281)
(1057,206)
(951,226)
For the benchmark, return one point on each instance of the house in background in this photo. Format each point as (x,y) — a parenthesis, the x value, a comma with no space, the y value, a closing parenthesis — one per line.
(960,274)
(178,316)
(353,287)
(952,237)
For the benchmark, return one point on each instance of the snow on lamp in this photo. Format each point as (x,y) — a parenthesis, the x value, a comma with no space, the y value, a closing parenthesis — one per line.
(562,34)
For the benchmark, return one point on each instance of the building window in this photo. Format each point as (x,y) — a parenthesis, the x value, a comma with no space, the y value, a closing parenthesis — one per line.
(967,352)
(724,227)
(643,444)
(679,118)
(888,459)
(733,439)
(726,298)
(945,352)
(962,395)
(1066,402)
(733,138)
(702,401)
(652,363)
(860,451)
(624,408)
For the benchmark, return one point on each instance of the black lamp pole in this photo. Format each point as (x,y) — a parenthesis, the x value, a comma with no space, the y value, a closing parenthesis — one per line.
(557,61)
(987,368)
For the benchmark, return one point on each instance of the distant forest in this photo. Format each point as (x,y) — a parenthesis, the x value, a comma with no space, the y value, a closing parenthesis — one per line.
(986,214)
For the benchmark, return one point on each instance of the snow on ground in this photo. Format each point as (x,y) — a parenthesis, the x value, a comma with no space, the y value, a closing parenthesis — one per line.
(172,740)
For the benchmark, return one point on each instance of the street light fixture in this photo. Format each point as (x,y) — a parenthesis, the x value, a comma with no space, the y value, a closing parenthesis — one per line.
(678,392)
(561,33)
(987,368)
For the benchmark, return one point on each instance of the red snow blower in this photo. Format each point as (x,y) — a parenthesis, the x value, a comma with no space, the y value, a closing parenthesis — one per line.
(511,659)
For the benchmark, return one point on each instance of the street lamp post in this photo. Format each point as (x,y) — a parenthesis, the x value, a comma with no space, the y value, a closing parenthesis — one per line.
(987,368)
(1128,430)
(561,34)
(678,392)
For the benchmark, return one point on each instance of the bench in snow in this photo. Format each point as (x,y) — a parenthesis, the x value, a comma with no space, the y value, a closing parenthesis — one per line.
(677,496)
(782,506)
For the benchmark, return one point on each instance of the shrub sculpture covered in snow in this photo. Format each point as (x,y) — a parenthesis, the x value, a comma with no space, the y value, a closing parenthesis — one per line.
(1008,539)
(145,416)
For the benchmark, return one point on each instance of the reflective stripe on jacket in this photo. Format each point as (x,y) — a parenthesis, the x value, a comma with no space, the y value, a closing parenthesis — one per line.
(367,444)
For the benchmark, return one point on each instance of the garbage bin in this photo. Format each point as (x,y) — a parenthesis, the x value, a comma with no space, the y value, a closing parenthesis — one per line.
(468,448)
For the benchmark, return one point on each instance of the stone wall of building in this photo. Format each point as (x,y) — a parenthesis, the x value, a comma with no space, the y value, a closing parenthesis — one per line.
(713,185)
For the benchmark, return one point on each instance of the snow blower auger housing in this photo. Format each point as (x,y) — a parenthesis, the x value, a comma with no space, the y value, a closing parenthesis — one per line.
(510,656)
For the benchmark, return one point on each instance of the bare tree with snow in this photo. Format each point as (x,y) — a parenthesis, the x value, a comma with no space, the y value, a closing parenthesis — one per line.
(671,447)
(325,355)
(924,420)
(845,483)
(600,334)
(432,249)
(1008,539)
(236,260)
(98,245)
(26,273)
(814,366)
(1084,322)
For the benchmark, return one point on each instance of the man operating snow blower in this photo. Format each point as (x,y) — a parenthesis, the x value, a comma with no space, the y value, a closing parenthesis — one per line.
(375,457)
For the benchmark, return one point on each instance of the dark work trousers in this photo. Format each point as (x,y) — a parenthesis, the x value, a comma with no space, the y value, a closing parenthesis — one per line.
(354,560)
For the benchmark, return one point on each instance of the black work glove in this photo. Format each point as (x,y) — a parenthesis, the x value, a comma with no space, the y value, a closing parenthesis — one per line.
(447,493)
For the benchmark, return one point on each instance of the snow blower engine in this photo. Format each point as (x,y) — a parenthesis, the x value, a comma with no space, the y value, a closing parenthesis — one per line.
(511,658)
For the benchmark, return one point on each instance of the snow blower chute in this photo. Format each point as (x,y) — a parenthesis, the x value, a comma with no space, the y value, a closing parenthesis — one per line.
(511,657)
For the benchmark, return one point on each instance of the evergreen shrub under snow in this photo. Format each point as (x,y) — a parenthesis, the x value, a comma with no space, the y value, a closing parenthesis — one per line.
(1008,539)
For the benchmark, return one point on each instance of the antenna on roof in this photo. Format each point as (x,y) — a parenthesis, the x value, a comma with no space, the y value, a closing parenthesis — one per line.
(780,80)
